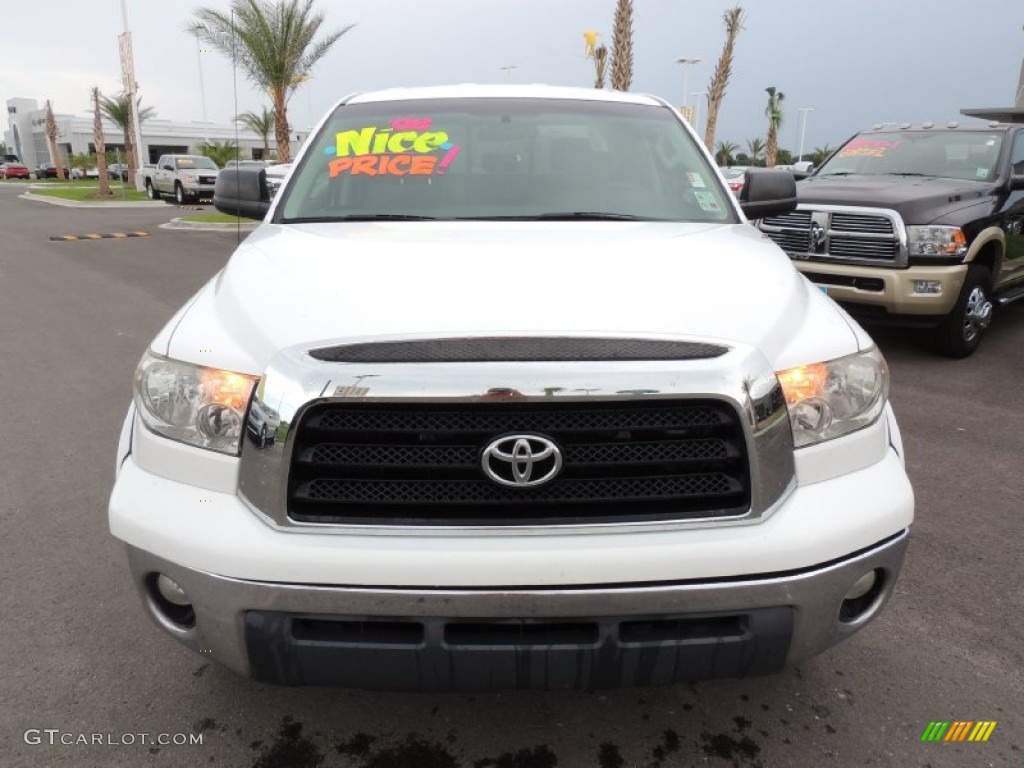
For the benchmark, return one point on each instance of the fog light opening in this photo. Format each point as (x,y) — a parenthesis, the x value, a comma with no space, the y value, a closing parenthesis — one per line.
(932,287)
(170,601)
(863,597)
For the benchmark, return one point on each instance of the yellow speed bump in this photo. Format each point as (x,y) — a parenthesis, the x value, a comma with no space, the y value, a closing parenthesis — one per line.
(99,236)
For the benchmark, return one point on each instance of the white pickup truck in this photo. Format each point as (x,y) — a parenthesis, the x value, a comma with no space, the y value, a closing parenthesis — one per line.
(181,177)
(505,392)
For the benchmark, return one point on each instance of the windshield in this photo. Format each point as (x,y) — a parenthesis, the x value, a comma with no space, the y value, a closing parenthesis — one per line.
(954,154)
(504,158)
(186,163)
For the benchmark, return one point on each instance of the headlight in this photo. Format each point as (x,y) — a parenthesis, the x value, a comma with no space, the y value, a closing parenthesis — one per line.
(188,178)
(826,400)
(204,407)
(936,241)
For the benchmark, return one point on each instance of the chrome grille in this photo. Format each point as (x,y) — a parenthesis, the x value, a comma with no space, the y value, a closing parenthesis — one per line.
(849,236)
(792,242)
(420,463)
(863,248)
(853,222)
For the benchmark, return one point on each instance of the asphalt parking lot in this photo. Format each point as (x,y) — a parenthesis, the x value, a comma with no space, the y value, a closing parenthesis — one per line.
(80,655)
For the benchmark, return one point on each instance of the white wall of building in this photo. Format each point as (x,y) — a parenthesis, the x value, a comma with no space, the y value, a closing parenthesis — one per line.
(26,136)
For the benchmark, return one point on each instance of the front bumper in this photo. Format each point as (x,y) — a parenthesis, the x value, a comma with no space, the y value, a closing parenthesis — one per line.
(897,295)
(199,190)
(466,639)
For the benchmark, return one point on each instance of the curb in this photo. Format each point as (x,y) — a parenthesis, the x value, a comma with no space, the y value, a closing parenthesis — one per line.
(81,204)
(199,226)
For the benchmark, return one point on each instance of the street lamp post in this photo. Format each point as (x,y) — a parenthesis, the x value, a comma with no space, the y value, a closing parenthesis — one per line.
(696,109)
(687,62)
(508,70)
(803,129)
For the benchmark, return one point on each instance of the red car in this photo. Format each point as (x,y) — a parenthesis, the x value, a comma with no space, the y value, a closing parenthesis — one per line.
(12,170)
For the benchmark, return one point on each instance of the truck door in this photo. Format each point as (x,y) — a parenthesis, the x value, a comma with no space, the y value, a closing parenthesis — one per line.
(1014,223)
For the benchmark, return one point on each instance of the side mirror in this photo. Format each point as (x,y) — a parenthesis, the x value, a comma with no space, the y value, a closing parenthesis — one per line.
(168,167)
(768,192)
(1017,181)
(242,192)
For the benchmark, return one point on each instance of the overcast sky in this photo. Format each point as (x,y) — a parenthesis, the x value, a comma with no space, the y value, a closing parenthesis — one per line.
(855,63)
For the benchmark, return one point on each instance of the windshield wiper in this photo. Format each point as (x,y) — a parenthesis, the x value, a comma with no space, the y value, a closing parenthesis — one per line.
(357,217)
(838,173)
(565,216)
(906,173)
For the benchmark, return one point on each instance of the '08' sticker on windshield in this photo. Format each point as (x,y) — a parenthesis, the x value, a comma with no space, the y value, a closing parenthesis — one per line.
(406,147)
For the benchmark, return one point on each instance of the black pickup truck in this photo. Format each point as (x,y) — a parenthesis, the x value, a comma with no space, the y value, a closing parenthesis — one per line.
(919,225)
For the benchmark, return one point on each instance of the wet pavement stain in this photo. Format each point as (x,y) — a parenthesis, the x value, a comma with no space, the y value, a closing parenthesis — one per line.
(358,746)
(724,746)
(290,750)
(608,756)
(204,725)
(413,752)
(538,757)
(670,744)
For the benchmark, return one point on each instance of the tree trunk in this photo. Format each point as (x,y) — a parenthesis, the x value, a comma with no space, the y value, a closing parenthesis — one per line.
(129,153)
(51,137)
(771,146)
(710,125)
(622,46)
(101,145)
(284,148)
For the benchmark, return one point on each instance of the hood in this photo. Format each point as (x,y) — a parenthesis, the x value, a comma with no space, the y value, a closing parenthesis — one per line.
(918,199)
(313,284)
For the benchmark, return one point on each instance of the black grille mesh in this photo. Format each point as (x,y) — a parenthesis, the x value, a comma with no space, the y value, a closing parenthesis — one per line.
(404,463)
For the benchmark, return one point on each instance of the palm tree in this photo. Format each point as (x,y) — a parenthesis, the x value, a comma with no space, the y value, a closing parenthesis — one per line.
(51,138)
(101,144)
(733,19)
(774,113)
(600,57)
(725,151)
(273,41)
(755,149)
(219,151)
(261,122)
(820,154)
(118,110)
(622,46)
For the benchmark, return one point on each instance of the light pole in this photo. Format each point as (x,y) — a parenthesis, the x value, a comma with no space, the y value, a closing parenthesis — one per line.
(508,71)
(696,109)
(687,62)
(803,128)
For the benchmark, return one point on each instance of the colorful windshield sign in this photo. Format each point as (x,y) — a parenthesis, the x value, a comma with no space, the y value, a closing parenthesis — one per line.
(407,147)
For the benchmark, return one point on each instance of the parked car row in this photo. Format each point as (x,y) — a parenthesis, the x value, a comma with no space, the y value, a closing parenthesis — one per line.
(13,170)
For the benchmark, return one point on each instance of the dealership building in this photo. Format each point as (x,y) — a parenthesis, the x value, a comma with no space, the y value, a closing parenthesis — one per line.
(26,135)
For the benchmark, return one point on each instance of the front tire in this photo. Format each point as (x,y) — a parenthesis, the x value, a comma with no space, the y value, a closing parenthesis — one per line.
(179,194)
(960,333)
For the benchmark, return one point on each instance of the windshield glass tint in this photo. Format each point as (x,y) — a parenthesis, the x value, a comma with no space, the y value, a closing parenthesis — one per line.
(188,163)
(504,158)
(952,154)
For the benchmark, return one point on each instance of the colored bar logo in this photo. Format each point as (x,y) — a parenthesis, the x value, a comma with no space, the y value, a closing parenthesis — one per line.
(959,730)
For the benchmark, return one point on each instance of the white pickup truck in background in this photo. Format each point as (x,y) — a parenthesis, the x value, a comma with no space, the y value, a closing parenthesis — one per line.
(182,177)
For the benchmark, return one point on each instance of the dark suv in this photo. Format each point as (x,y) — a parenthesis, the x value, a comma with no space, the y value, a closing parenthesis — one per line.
(918,225)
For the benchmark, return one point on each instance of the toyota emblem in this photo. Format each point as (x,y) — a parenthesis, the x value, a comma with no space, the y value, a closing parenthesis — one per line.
(522,461)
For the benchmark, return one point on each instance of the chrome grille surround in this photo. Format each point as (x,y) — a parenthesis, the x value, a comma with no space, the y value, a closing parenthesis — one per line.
(741,379)
(852,235)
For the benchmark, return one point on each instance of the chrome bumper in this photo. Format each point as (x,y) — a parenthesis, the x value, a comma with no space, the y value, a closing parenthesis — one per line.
(246,626)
